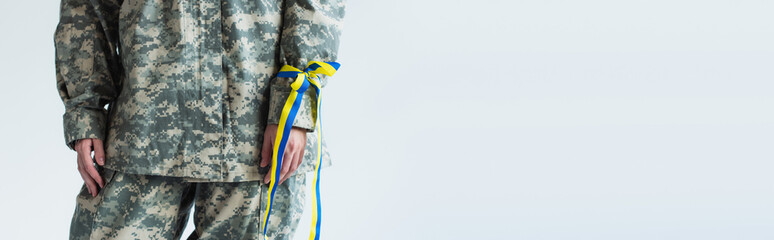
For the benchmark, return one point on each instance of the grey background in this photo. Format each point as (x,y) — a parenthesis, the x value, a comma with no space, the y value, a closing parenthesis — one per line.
(487,119)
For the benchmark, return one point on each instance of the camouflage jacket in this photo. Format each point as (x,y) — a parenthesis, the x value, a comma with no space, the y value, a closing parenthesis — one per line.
(185,88)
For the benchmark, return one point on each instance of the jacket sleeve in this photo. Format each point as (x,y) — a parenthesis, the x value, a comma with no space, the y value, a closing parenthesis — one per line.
(87,65)
(310,32)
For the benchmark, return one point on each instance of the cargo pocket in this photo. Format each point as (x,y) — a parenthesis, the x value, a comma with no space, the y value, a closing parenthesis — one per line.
(107,176)
(88,209)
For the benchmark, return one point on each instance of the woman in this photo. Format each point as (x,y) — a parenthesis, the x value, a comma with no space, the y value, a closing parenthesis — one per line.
(192,97)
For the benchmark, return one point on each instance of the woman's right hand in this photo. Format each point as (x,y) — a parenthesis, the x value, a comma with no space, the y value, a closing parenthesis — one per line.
(86,163)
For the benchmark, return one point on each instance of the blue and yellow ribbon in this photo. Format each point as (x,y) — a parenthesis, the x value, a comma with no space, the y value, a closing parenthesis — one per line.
(302,81)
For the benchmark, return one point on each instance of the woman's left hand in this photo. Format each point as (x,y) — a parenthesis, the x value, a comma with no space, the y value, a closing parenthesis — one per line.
(293,153)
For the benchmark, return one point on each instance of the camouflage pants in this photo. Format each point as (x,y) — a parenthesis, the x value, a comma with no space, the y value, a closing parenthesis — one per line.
(134,206)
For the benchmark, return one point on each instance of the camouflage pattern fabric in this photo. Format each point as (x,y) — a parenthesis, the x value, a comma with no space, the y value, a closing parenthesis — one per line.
(147,207)
(189,85)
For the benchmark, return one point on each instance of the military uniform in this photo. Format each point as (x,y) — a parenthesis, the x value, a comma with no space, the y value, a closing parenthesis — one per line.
(137,206)
(189,88)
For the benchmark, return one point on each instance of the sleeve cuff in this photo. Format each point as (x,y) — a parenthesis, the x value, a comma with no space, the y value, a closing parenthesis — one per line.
(84,123)
(279,91)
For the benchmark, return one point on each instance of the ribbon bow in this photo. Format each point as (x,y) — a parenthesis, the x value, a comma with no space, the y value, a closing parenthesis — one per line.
(289,112)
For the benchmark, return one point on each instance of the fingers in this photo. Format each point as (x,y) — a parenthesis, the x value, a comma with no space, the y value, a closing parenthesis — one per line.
(287,161)
(89,182)
(267,178)
(300,157)
(299,137)
(92,171)
(99,152)
(83,154)
(292,156)
(88,163)
(297,162)
(293,167)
